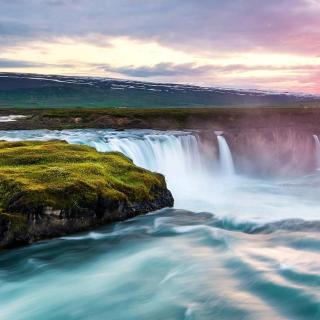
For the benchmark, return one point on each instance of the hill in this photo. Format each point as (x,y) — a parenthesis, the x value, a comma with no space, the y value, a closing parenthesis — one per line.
(47,91)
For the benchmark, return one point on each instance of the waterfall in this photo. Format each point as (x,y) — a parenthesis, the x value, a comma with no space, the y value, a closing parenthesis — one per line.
(225,157)
(189,173)
(192,175)
(317,143)
(173,155)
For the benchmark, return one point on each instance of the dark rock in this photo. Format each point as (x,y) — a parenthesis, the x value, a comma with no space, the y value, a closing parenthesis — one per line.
(48,223)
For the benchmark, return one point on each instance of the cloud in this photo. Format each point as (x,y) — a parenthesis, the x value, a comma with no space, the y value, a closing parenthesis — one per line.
(190,69)
(238,25)
(158,70)
(7,64)
(209,41)
(293,78)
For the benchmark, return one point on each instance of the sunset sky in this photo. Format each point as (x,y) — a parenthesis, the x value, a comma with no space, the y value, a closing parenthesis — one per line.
(272,44)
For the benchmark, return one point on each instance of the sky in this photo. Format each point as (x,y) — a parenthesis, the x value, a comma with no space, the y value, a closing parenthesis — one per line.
(258,44)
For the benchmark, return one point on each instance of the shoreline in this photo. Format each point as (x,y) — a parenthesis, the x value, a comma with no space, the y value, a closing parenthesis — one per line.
(303,118)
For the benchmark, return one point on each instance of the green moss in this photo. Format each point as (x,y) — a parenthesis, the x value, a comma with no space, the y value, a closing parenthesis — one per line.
(59,175)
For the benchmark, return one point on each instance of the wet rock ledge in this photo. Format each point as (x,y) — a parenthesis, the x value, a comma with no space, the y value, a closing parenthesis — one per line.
(50,189)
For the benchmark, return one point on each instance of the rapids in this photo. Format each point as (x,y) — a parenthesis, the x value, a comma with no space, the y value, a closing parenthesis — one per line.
(234,247)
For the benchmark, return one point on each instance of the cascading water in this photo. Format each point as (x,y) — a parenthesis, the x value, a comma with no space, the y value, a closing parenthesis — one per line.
(174,155)
(317,145)
(225,156)
(189,174)
(249,244)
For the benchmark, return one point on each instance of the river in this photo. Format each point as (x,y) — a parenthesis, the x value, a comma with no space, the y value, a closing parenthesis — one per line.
(233,247)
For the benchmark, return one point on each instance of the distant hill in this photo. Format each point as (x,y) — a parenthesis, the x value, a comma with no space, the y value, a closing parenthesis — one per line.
(43,91)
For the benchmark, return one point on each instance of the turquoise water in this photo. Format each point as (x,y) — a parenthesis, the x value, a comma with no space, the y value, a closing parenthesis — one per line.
(248,249)
(172,264)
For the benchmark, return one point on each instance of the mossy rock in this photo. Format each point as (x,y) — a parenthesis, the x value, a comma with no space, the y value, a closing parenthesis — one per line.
(67,181)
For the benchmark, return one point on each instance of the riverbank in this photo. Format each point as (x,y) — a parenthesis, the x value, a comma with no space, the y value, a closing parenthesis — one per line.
(163,119)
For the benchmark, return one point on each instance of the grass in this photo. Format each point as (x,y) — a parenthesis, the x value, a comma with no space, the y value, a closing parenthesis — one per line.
(55,174)
(171,118)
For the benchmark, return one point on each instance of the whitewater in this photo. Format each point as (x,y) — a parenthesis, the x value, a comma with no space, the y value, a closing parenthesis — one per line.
(233,247)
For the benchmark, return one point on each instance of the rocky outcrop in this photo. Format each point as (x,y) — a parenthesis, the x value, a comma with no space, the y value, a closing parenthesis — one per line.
(48,222)
(51,189)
